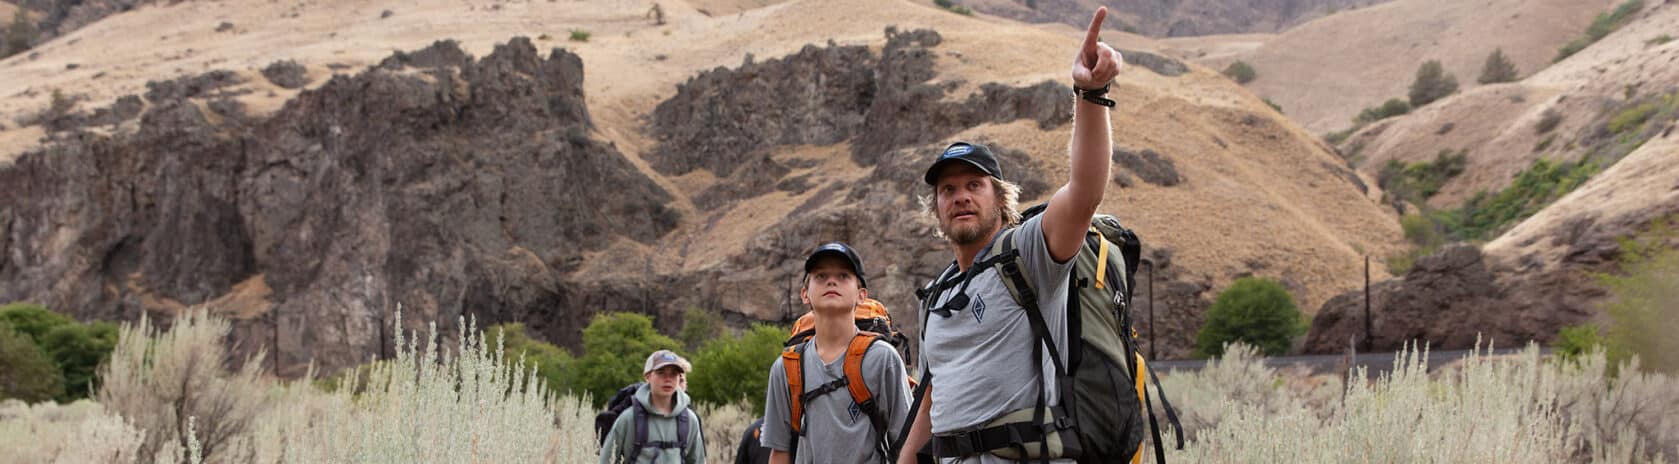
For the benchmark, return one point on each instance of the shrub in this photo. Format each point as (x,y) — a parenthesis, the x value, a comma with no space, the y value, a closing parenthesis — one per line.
(1600,27)
(952,7)
(1392,107)
(18,34)
(698,326)
(1497,68)
(1432,83)
(1255,311)
(163,380)
(1642,299)
(26,372)
(1486,214)
(1241,72)
(1419,181)
(552,363)
(78,350)
(1548,121)
(1632,117)
(32,319)
(732,369)
(80,432)
(75,349)
(1575,341)
(579,35)
(1274,105)
(724,425)
(1659,40)
(615,346)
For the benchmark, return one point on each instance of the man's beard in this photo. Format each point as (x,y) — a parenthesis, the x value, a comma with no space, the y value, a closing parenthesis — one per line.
(978,232)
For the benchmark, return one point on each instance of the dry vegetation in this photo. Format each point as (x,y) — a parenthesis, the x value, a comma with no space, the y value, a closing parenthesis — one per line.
(465,403)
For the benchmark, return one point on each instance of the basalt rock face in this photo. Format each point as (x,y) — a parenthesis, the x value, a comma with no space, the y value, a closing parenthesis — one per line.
(468,186)
(729,120)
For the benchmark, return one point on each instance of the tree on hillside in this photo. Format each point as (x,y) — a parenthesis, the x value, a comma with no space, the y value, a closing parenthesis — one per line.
(1433,83)
(1241,72)
(1498,68)
(18,35)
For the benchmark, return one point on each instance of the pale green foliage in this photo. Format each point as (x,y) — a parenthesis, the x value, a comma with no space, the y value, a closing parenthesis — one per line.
(723,426)
(80,432)
(162,380)
(1506,409)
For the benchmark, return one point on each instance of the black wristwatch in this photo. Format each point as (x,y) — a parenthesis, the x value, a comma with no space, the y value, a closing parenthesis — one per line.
(1094,95)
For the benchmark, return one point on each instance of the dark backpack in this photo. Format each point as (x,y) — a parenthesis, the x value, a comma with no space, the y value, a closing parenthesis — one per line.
(1099,418)
(624,400)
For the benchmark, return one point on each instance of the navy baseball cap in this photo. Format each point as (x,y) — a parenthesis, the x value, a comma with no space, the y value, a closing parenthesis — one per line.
(972,153)
(843,251)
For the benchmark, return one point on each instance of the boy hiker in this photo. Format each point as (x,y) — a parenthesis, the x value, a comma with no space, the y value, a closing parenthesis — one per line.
(658,428)
(992,393)
(841,396)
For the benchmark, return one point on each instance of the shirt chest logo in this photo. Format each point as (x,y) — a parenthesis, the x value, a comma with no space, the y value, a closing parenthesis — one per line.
(854,411)
(978,310)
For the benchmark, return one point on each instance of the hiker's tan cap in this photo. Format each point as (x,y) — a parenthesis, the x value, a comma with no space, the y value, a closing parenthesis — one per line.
(664,358)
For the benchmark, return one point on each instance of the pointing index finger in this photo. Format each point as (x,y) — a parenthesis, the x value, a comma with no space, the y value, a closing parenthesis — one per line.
(1093,36)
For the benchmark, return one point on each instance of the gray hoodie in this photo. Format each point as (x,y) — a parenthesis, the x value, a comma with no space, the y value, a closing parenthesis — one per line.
(620,442)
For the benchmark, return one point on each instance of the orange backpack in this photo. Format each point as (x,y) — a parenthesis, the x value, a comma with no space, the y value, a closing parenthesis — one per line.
(873,323)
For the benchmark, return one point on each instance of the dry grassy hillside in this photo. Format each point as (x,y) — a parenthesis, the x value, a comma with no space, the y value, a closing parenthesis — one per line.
(1324,71)
(1257,194)
(1500,125)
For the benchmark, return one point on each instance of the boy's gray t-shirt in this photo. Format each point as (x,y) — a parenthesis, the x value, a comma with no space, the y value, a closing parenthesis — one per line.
(836,431)
(979,356)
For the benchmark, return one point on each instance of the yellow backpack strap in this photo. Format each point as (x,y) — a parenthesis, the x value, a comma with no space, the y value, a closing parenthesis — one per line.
(795,387)
(1142,373)
(1101,257)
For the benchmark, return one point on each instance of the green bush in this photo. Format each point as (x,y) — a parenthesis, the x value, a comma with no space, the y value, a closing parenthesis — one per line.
(1419,181)
(1392,107)
(579,35)
(729,369)
(76,349)
(1432,83)
(1600,27)
(1486,215)
(1633,117)
(553,364)
(1241,72)
(18,34)
(1274,105)
(1642,299)
(1498,68)
(615,346)
(1255,311)
(32,319)
(1575,341)
(1659,40)
(26,372)
(699,326)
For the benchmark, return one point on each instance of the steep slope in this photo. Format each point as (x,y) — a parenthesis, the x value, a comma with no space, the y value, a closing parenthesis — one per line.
(1535,277)
(1325,71)
(546,187)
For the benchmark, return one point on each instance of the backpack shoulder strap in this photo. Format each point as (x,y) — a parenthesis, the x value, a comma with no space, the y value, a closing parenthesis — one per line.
(640,420)
(793,368)
(859,389)
(683,428)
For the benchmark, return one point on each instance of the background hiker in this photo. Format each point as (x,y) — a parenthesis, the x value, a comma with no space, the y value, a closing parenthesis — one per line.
(657,427)
(836,416)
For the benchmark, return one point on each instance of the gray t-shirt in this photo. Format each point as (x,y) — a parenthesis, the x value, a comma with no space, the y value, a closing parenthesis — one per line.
(836,431)
(978,355)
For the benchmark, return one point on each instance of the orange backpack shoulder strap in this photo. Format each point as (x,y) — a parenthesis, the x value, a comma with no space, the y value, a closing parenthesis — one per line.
(854,369)
(795,386)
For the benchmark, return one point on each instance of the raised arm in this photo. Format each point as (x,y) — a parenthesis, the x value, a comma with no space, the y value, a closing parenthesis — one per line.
(1070,209)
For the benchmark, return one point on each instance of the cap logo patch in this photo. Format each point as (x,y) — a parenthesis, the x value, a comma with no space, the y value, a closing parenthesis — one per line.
(958,150)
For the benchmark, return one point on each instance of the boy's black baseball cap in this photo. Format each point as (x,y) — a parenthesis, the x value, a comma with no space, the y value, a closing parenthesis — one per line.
(842,250)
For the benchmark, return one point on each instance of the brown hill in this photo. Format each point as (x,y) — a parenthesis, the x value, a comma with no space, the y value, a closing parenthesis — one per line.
(1325,71)
(518,186)
(1158,18)
(1616,103)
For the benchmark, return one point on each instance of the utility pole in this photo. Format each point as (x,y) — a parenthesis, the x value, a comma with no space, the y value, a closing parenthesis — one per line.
(1367,339)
